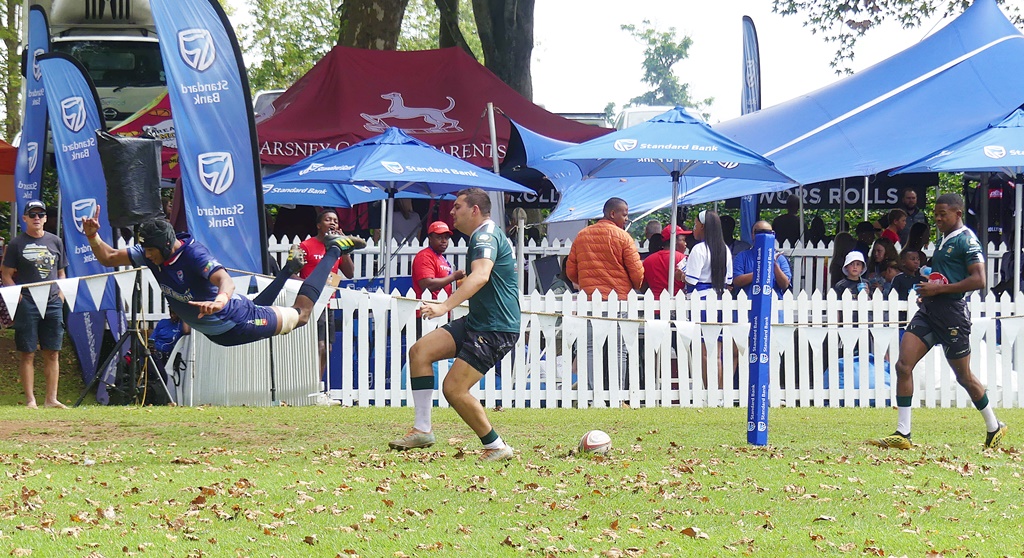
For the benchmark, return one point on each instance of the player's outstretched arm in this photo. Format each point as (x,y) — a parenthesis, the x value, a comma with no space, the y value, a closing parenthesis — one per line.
(105,254)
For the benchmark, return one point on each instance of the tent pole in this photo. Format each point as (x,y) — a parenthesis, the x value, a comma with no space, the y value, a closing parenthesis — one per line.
(672,236)
(497,198)
(842,206)
(866,199)
(1018,202)
(801,194)
(388,226)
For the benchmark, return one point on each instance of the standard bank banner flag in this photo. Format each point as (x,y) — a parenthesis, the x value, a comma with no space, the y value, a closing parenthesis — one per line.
(213,124)
(751,102)
(72,101)
(29,170)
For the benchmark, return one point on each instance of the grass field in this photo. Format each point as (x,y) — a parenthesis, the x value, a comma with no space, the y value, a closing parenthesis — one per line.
(319,481)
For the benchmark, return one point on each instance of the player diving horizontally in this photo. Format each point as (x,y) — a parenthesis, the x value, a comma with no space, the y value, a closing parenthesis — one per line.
(201,292)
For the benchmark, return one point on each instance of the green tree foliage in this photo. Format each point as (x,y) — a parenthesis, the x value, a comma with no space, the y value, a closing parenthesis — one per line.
(10,67)
(284,40)
(421,27)
(842,22)
(662,50)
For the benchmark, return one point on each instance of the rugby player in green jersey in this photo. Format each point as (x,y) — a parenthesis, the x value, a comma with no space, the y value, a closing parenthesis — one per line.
(477,341)
(958,267)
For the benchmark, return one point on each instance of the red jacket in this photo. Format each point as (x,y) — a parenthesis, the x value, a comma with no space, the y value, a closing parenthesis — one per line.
(604,257)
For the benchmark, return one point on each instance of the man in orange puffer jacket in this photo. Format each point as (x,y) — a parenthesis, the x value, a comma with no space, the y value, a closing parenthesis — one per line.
(604,257)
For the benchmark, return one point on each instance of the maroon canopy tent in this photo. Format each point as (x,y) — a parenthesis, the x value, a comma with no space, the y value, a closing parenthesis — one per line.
(437,96)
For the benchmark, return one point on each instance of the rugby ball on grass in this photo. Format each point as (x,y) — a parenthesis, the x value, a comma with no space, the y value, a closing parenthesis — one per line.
(596,441)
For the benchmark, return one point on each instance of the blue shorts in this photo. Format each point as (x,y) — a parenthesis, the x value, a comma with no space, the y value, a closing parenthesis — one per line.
(32,331)
(255,323)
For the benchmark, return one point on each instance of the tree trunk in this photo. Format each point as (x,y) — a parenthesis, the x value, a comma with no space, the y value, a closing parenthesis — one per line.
(506,34)
(371,24)
(449,33)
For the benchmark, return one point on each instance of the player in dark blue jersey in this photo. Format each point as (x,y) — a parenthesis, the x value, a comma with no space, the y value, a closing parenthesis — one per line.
(200,291)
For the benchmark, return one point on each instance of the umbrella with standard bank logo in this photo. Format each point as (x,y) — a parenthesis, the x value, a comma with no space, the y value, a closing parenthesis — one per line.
(290,185)
(395,163)
(998,148)
(675,144)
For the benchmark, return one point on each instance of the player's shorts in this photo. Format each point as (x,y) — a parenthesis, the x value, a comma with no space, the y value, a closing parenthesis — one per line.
(255,323)
(480,349)
(32,331)
(944,322)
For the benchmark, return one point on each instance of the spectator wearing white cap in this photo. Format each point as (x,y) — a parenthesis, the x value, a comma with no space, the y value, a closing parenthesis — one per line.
(853,268)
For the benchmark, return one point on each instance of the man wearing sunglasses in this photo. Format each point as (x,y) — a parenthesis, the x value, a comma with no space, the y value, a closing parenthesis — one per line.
(36,255)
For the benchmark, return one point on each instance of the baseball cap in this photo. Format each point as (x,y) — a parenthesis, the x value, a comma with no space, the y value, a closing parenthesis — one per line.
(854,256)
(438,227)
(666,233)
(34,204)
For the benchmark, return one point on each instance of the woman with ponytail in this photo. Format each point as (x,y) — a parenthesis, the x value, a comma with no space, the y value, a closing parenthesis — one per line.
(709,266)
(709,270)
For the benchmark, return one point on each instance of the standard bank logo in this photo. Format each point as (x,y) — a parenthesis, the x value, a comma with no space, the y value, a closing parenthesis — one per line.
(753,358)
(729,165)
(196,48)
(393,166)
(994,151)
(216,171)
(36,72)
(364,189)
(267,188)
(32,149)
(72,113)
(81,209)
(625,144)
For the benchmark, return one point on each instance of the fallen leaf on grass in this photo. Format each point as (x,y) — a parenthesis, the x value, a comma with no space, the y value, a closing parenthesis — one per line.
(824,518)
(695,532)
(310,540)
(21,552)
(847,547)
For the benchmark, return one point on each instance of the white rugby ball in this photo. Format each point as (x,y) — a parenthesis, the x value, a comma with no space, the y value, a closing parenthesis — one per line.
(595,441)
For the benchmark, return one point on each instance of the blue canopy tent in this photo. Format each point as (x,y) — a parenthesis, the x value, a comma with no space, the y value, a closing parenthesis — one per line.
(995,149)
(673,145)
(957,81)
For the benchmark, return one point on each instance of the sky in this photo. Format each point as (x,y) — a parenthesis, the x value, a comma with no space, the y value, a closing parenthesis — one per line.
(582,60)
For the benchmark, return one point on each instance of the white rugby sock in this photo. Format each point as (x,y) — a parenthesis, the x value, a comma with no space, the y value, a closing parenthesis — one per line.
(903,420)
(423,400)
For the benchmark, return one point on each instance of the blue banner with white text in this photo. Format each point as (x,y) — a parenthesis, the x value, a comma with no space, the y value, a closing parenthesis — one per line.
(71,99)
(213,121)
(762,294)
(28,173)
(751,102)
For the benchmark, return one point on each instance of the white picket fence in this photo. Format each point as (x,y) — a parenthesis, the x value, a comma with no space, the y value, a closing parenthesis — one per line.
(818,344)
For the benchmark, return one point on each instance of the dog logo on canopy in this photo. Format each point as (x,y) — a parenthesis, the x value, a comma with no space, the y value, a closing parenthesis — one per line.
(216,171)
(436,118)
(995,151)
(82,209)
(72,113)
(625,144)
(36,71)
(393,166)
(196,48)
(32,149)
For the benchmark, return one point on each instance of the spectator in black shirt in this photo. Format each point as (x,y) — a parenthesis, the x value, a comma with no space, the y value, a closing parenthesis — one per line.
(787,225)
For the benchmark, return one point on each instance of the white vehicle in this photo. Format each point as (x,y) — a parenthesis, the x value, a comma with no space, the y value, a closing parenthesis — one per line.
(631,116)
(116,42)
